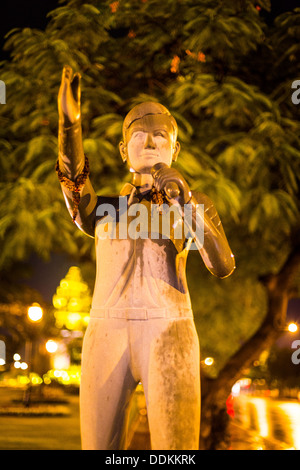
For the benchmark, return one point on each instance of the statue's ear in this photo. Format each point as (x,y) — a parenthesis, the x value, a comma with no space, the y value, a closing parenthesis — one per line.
(123,151)
(176,151)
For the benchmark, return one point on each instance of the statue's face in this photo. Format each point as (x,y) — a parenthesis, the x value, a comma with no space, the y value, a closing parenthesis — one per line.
(150,140)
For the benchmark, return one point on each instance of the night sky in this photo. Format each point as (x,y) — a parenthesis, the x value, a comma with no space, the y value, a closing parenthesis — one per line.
(22,14)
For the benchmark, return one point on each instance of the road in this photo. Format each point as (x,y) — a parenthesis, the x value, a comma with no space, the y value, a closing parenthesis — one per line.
(272,419)
(271,424)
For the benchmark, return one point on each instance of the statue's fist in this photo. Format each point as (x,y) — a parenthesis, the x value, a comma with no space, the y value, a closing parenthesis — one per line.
(171,182)
(69,97)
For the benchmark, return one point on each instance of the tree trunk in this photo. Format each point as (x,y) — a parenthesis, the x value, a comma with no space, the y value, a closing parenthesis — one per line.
(214,418)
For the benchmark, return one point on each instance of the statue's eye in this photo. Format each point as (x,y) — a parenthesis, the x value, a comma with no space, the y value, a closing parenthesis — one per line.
(160,134)
(138,135)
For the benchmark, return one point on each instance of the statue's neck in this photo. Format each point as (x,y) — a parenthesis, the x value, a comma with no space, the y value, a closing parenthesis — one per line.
(143,181)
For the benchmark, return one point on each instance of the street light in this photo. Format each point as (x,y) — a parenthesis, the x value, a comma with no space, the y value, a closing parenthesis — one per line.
(51,346)
(35,312)
(292,327)
(35,315)
(208,361)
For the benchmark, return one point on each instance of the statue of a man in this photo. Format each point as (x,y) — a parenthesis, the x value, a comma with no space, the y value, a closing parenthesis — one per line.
(141,325)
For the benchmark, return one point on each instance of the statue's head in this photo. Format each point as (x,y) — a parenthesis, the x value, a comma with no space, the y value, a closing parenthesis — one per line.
(149,137)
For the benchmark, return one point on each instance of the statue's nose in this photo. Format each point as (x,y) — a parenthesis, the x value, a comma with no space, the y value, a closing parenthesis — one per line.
(149,142)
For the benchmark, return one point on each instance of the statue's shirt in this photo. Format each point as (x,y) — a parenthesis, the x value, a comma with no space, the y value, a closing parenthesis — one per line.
(141,269)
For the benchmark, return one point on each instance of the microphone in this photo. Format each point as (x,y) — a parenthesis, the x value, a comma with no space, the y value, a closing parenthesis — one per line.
(171,189)
(172,192)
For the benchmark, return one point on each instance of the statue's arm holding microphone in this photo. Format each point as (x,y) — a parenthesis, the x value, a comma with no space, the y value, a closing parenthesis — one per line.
(204,226)
(149,147)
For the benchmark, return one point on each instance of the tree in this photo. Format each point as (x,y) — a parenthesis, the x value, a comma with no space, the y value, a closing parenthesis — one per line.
(226,76)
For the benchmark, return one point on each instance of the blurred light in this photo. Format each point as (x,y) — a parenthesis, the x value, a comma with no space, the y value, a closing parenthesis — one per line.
(230,406)
(59,302)
(17,364)
(292,411)
(51,346)
(2,362)
(246,382)
(35,312)
(61,361)
(65,333)
(208,361)
(64,284)
(261,413)
(240,385)
(292,327)
(35,379)
(16,357)
(70,376)
(236,388)
(24,365)
(23,379)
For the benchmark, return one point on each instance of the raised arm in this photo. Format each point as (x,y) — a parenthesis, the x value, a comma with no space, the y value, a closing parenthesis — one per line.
(72,166)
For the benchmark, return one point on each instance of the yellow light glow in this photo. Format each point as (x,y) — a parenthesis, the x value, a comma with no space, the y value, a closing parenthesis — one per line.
(35,379)
(71,376)
(292,411)
(261,413)
(17,357)
(51,346)
(292,327)
(23,380)
(208,361)
(59,302)
(35,312)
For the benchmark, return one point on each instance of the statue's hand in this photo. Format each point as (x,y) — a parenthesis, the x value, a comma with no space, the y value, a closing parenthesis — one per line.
(166,178)
(69,97)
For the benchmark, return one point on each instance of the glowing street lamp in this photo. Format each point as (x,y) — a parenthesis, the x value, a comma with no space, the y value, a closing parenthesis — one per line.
(292,327)
(35,315)
(51,346)
(208,361)
(35,312)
